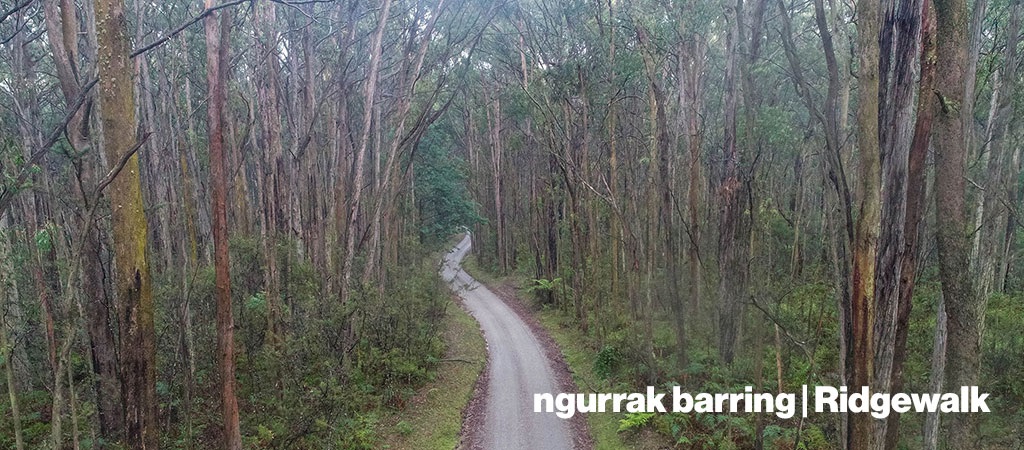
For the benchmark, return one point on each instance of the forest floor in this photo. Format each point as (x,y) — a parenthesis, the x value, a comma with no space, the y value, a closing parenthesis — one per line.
(432,419)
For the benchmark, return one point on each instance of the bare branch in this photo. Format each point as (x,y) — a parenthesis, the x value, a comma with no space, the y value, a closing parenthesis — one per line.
(117,167)
(185,25)
(8,193)
(15,9)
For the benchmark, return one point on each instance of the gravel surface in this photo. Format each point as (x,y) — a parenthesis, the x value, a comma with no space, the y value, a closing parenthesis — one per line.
(522,360)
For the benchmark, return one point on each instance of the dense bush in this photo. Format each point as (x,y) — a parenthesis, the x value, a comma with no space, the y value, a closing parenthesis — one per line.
(303,393)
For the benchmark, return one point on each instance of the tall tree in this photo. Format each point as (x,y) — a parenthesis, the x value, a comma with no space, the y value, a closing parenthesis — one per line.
(915,209)
(731,273)
(132,281)
(899,51)
(964,309)
(217,40)
(865,245)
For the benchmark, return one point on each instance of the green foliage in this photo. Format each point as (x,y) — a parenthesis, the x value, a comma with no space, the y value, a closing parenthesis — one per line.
(813,438)
(257,302)
(607,362)
(34,426)
(298,393)
(403,428)
(356,433)
(1003,352)
(43,239)
(545,285)
(443,202)
(709,431)
(634,420)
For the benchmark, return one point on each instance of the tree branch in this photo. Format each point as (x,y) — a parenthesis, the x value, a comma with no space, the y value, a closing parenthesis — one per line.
(15,9)
(8,192)
(117,167)
(182,27)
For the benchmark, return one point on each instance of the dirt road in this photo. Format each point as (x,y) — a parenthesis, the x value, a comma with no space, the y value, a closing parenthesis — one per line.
(518,368)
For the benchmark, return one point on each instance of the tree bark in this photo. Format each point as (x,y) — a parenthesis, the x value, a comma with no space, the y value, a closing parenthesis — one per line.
(131,278)
(964,310)
(275,192)
(865,245)
(6,347)
(930,433)
(900,41)
(915,209)
(217,41)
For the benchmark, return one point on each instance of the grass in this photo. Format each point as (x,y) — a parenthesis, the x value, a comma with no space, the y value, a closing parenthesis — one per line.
(433,418)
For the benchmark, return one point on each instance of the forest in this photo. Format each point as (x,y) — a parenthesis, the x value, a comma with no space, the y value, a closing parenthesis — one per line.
(222,223)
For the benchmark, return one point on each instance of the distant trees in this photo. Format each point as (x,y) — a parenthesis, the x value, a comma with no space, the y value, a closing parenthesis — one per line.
(681,178)
(760,162)
(326,179)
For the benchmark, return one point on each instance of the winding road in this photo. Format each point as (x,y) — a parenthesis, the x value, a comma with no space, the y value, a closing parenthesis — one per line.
(517,369)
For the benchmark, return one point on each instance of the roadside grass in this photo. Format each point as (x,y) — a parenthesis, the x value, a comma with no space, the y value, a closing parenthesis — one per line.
(604,427)
(433,417)
(472,266)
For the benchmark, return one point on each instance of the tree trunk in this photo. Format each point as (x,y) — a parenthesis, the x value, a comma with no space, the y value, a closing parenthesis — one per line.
(731,278)
(930,438)
(369,96)
(131,278)
(865,245)
(997,160)
(6,347)
(694,83)
(915,201)
(274,191)
(217,42)
(494,132)
(963,308)
(970,74)
(900,41)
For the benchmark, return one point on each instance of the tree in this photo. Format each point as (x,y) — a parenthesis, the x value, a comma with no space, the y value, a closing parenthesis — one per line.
(217,39)
(132,281)
(868,225)
(900,40)
(915,208)
(964,308)
(731,265)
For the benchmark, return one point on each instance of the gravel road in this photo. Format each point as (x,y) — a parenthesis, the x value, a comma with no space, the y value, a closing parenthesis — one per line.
(517,368)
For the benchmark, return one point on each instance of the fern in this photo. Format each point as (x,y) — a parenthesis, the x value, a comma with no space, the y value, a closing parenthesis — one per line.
(634,421)
(543,284)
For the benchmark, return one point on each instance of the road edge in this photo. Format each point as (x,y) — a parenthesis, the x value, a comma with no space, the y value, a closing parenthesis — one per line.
(582,438)
(472,414)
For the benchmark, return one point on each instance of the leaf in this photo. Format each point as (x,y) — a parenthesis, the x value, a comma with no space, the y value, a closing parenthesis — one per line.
(43,240)
(634,420)
(257,302)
